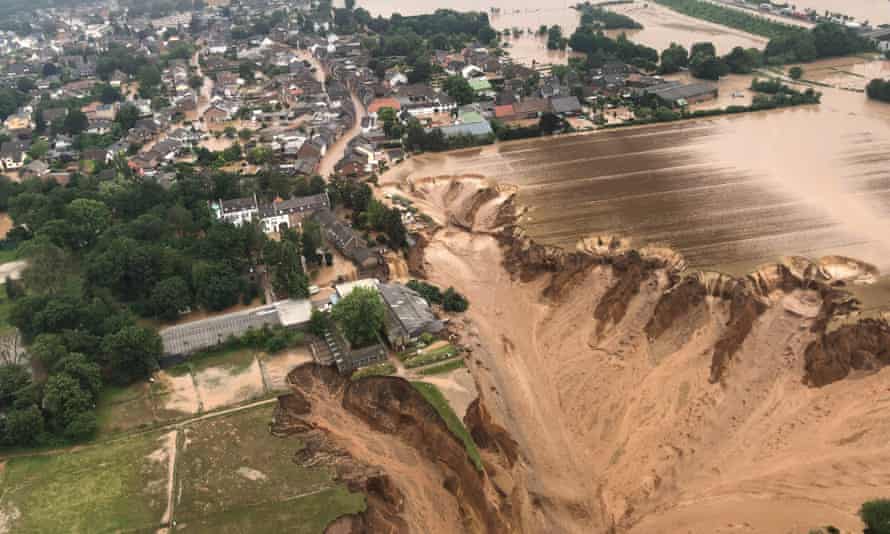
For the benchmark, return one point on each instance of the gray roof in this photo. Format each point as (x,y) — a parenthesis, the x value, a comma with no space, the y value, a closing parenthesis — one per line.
(412,311)
(296,205)
(198,335)
(475,129)
(680,92)
(565,104)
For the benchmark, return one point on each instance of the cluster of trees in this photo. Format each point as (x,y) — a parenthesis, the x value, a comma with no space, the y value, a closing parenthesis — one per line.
(450,300)
(599,48)
(876,516)
(459,89)
(10,101)
(367,212)
(603,18)
(102,254)
(447,22)
(283,261)
(555,38)
(824,40)
(704,63)
(878,89)
(360,316)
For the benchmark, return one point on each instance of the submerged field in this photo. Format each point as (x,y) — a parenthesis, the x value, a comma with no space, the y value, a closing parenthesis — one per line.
(729,193)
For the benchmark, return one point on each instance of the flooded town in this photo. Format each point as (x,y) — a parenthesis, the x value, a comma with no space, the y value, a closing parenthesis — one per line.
(359,266)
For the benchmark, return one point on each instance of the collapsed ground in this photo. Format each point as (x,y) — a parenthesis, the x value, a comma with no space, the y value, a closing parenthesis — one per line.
(644,401)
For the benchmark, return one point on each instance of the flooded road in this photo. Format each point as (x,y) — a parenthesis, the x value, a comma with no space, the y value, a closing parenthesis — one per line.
(729,193)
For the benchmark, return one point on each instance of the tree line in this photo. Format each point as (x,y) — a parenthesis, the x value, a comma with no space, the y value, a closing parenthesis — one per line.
(104,254)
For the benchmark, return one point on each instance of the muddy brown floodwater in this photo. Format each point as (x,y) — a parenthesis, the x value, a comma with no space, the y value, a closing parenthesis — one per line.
(661,26)
(728,193)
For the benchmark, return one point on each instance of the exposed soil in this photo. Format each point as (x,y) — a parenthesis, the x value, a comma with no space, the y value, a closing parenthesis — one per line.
(219,387)
(641,398)
(385,439)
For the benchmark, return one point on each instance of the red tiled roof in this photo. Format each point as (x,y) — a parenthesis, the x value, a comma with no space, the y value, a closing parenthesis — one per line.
(379,103)
(503,111)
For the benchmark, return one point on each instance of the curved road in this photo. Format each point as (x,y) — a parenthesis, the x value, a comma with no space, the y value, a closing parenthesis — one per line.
(336,151)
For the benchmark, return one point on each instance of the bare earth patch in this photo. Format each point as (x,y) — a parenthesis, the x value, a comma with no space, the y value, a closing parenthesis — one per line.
(219,386)
(277,366)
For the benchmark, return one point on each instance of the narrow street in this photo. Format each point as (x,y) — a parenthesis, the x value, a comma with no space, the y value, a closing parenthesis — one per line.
(336,151)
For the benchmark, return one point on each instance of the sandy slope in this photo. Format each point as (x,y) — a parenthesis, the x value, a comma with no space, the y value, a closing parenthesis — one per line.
(618,431)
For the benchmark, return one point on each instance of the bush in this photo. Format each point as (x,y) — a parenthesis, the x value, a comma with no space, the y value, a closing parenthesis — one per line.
(795,73)
(453,301)
(876,516)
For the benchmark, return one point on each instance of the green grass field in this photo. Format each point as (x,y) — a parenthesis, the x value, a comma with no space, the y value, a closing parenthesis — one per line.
(120,409)
(442,368)
(234,476)
(234,360)
(432,356)
(110,488)
(381,369)
(432,394)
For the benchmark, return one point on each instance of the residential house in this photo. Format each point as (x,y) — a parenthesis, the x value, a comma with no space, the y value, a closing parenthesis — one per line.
(346,240)
(18,121)
(12,155)
(408,315)
(566,106)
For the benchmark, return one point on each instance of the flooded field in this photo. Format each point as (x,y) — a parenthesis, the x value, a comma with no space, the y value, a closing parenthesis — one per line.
(661,26)
(729,193)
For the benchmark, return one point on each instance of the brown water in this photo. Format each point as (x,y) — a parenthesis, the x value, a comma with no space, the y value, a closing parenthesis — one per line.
(661,26)
(729,193)
(874,11)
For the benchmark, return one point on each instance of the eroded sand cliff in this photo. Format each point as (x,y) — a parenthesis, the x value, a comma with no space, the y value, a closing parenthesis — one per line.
(620,393)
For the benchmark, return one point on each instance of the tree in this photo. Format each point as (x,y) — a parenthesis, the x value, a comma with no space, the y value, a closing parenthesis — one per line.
(75,122)
(88,218)
(38,149)
(549,123)
(673,58)
(311,241)
(703,49)
(87,373)
(350,4)
(25,85)
(459,89)
(196,82)
(360,315)
(63,399)
(246,71)
(149,78)
(13,377)
(555,40)
(109,94)
(127,116)
(876,516)
(742,61)
(48,349)
(131,353)
(453,301)
(708,67)
(23,426)
(795,73)
(170,297)
(421,72)
(217,286)
(319,323)
(389,117)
